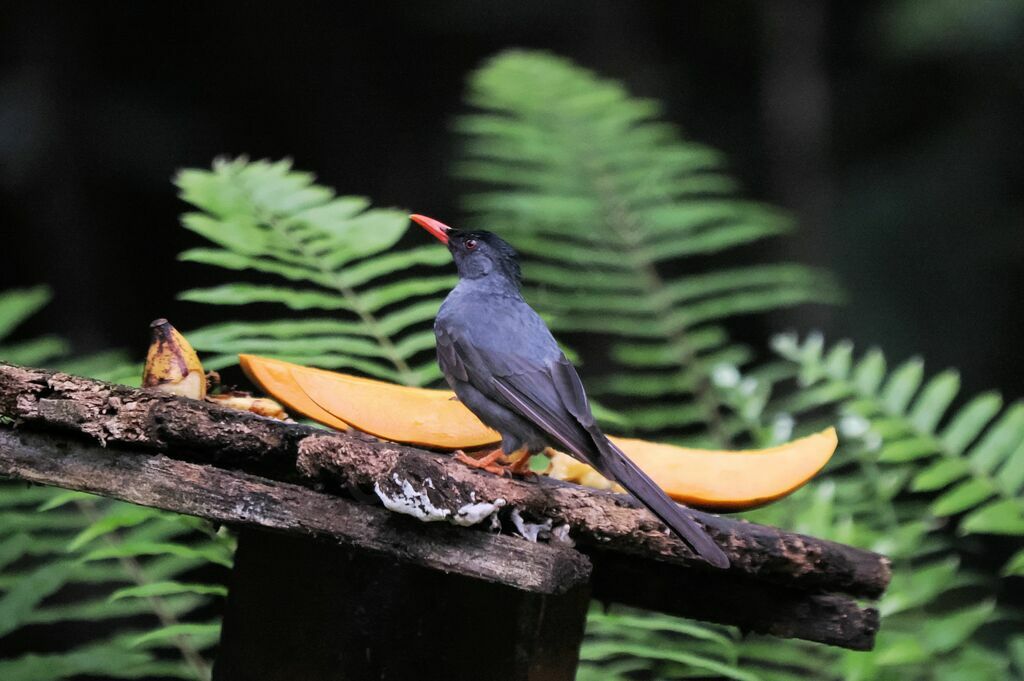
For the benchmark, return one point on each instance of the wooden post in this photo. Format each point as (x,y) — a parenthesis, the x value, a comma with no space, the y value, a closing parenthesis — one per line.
(308,609)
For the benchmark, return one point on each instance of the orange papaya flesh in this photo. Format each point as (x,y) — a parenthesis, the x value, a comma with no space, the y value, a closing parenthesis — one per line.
(717,480)
(416,416)
(274,377)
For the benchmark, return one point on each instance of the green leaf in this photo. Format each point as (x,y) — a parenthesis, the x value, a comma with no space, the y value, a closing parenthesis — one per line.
(909,449)
(970,421)
(602,650)
(940,474)
(999,441)
(34,352)
(63,497)
(942,634)
(1015,568)
(963,496)
(869,372)
(121,516)
(210,552)
(902,385)
(19,600)
(1005,516)
(104,660)
(14,547)
(94,611)
(176,630)
(17,305)
(914,589)
(245,294)
(934,400)
(168,588)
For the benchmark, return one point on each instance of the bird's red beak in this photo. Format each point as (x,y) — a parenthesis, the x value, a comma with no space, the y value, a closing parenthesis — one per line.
(438,229)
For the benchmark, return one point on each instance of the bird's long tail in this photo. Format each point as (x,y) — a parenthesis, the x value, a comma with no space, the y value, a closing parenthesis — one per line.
(629,475)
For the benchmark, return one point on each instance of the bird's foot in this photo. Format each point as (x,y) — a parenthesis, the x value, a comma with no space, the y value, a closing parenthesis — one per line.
(489,462)
(521,466)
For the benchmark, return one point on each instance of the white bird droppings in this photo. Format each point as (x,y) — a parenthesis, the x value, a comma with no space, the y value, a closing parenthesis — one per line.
(471,514)
(530,531)
(410,501)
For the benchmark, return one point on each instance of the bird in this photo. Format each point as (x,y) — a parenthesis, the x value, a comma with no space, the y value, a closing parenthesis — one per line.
(501,360)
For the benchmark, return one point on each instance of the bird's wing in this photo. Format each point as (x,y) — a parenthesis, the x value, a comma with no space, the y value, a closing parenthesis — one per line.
(538,383)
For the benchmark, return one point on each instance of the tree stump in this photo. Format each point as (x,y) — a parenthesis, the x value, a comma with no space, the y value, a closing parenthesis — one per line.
(306,609)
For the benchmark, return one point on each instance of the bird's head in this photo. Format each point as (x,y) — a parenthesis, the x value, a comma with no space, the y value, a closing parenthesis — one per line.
(476,253)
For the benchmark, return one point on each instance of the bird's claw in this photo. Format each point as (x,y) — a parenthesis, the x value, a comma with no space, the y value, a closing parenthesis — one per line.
(488,462)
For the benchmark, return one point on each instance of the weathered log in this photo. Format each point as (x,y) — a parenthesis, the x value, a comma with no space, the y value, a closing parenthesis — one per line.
(596,520)
(724,598)
(240,499)
(247,500)
(417,481)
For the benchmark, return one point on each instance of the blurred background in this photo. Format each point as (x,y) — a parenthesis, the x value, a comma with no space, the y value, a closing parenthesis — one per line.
(892,130)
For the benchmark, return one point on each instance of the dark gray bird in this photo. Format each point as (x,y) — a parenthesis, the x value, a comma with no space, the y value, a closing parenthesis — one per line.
(503,364)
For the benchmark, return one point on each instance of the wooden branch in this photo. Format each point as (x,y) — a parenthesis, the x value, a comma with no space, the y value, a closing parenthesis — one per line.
(249,501)
(599,520)
(241,499)
(724,598)
(806,586)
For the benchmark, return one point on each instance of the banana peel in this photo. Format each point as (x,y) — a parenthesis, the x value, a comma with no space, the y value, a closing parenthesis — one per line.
(173,367)
(243,401)
(716,480)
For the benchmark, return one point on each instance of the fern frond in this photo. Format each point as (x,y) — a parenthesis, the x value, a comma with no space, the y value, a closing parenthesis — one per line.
(324,254)
(684,649)
(911,466)
(44,538)
(605,202)
(16,306)
(970,459)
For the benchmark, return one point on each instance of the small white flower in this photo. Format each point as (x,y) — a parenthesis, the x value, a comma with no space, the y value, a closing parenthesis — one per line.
(725,376)
(747,386)
(782,427)
(853,426)
(785,343)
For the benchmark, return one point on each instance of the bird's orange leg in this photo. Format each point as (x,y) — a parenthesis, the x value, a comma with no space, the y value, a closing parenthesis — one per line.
(521,466)
(488,462)
(497,462)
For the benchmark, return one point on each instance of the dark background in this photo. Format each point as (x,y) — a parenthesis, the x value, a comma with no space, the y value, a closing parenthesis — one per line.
(891,129)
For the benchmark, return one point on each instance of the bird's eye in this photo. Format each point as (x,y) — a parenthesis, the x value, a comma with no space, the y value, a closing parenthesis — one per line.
(470,244)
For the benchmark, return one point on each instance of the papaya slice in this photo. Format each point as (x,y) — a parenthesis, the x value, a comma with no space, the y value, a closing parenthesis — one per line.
(714,480)
(274,377)
(416,416)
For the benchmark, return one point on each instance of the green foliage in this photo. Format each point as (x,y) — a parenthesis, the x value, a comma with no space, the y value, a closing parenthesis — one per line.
(895,486)
(16,306)
(609,205)
(70,557)
(328,255)
(968,461)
